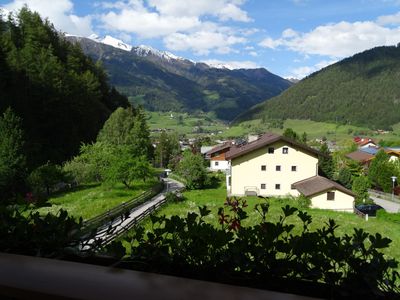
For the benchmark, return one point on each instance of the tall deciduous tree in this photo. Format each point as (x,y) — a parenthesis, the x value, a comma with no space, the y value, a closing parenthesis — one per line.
(360,187)
(167,148)
(125,168)
(192,169)
(381,170)
(128,127)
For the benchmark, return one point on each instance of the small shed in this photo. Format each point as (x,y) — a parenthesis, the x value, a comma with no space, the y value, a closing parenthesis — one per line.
(326,194)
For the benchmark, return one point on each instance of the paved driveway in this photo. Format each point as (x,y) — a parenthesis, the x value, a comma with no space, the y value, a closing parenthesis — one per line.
(389,206)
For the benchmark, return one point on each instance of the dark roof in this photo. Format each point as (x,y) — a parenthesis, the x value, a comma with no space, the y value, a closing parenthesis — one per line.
(360,156)
(219,148)
(265,140)
(370,150)
(318,184)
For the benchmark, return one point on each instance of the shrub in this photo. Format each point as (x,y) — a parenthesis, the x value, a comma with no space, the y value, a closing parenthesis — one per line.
(303,201)
(174,197)
(350,265)
(29,233)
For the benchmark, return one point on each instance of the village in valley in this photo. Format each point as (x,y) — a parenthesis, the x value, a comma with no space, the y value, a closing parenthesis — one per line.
(130,171)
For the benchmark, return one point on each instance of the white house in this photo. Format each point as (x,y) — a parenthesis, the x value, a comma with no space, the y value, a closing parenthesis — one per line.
(217,157)
(275,165)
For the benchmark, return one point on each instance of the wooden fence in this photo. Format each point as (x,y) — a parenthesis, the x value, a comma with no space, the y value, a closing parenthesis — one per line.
(121,209)
(97,236)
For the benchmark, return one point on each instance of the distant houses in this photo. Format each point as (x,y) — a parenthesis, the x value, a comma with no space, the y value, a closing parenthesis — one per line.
(364,142)
(368,148)
(217,157)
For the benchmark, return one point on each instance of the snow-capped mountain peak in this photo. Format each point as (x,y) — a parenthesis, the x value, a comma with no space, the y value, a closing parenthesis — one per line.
(143,50)
(111,41)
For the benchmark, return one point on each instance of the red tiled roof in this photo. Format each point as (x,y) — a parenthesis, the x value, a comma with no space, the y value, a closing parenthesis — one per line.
(264,140)
(318,184)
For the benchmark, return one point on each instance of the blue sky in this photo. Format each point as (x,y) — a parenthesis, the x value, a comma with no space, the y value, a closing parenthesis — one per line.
(291,38)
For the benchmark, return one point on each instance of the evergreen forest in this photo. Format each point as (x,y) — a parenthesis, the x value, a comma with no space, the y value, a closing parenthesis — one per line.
(360,90)
(61,97)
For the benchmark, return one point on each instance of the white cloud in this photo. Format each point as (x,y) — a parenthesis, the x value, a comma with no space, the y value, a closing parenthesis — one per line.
(202,42)
(304,71)
(224,9)
(197,26)
(147,24)
(270,43)
(232,64)
(336,40)
(60,13)
(253,53)
(389,19)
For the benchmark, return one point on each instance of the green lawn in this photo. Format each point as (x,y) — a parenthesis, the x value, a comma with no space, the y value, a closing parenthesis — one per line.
(313,129)
(183,123)
(215,198)
(90,200)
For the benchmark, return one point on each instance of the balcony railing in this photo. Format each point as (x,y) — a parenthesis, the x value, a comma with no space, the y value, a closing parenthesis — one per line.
(25,277)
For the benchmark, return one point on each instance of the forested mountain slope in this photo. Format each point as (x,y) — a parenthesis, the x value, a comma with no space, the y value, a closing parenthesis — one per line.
(361,90)
(62,97)
(163,82)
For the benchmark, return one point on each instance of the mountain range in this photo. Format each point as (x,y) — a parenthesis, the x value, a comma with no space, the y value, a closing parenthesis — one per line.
(360,90)
(162,81)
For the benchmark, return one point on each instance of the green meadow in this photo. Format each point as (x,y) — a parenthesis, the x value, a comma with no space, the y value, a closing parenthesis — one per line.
(88,201)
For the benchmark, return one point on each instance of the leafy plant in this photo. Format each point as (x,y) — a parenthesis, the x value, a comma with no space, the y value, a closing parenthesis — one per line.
(303,201)
(30,233)
(267,252)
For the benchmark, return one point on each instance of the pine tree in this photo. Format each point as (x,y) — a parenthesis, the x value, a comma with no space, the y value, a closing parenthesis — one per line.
(325,162)
(12,157)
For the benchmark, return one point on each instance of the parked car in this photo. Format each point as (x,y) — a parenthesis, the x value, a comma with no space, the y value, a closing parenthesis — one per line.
(369,209)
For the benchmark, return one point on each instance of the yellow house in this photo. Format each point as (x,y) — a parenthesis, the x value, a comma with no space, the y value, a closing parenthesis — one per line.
(272,165)
(326,194)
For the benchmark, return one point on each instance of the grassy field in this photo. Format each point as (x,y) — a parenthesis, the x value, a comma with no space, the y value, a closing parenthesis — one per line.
(215,198)
(88,201)
(314,130)
(183,123)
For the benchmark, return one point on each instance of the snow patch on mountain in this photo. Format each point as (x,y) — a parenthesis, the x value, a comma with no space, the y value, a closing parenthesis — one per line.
(111,41)
(144,50)
(230,65)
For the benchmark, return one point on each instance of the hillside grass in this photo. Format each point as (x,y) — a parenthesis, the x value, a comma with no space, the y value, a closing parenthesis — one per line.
(215,198)
(219,130)
(88,201)
(183,123)
(314,130)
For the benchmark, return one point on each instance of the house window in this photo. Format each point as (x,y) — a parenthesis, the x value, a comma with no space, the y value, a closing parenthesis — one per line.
(294,168)
(330,196)
(263,186)
(278,168)
(216,163)
(285,150)
(277,186)
(263,168)
(271,150)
